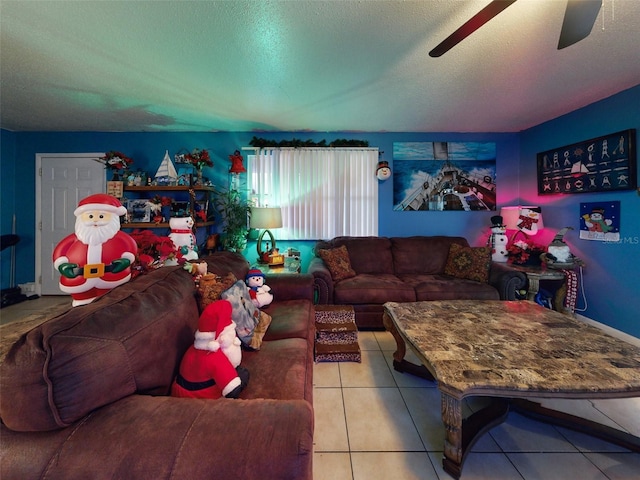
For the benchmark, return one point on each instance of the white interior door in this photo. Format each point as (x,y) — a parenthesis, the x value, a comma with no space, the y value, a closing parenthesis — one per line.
(62,180)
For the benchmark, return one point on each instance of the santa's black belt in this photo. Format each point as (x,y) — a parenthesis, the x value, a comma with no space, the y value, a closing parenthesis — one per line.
(93,270)
(193,386)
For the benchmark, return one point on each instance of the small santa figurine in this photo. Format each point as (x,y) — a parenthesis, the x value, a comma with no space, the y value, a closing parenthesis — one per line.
(211,367)
(97,257)
(498,240)
(260,293)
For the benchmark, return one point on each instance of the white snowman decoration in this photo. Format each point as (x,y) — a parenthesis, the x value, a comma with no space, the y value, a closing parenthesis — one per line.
(528,220)
(183,238)
(498,240)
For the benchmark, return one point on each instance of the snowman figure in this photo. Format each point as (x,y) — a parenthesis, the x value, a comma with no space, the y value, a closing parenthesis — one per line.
(498,239)
(260,293)
(528,220)
(183,238)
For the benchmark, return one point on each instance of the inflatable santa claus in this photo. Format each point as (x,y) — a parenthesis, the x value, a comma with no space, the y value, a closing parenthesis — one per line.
(211,367)
(97,257)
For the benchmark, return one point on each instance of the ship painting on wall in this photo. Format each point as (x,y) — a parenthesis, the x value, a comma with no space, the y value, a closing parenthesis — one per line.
(601,164)
(438,176)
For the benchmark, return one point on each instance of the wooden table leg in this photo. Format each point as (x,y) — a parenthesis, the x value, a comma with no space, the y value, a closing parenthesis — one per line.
(399,363)
(452,419)
(401,348)
(461,434)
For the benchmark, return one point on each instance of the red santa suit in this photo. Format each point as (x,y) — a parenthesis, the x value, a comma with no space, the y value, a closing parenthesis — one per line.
(210,367)
(89,268)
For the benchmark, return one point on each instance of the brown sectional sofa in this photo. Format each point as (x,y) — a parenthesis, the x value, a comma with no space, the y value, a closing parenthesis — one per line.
(84,395)
(403,269)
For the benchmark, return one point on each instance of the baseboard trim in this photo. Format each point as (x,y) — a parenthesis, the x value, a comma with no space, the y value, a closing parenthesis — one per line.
(610,330)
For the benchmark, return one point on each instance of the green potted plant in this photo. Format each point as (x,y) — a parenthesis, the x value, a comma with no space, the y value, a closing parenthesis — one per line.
(234,211)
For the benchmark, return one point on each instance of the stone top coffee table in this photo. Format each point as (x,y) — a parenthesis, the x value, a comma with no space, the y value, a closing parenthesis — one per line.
(510,351)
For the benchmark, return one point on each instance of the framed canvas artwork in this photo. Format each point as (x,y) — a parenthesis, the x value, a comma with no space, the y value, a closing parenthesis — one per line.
(601,164)
(441,176)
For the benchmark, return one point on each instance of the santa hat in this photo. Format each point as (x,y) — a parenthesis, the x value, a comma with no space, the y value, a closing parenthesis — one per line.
(102,202)
(214,319)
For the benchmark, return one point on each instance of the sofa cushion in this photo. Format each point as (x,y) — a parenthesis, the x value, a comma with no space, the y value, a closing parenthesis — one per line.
(221,263)
(281,370)
(290,319)
(96,354)
(367,288)
(367,254)
(338,262)
(471,263)
(441,287)
(422,255)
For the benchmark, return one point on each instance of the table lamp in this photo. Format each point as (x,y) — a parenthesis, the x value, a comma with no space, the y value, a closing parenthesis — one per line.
(266,218)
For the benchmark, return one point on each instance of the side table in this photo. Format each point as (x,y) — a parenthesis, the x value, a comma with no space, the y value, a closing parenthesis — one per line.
(535,274)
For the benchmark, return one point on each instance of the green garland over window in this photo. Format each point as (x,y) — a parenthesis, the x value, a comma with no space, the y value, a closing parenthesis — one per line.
(295,143)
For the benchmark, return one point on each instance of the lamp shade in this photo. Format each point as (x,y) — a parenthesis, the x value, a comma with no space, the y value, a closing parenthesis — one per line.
(266,217)
(512,217)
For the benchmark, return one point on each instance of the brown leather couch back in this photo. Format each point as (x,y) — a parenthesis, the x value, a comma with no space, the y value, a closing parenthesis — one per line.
(397,255)
(422,255)
(126,342)
(367,254)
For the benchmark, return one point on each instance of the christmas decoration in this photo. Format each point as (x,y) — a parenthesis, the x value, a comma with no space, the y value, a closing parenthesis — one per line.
(183,238)
(383,171)
(263,143)
(498,240)
(97,257)
(260,293)
(210,367)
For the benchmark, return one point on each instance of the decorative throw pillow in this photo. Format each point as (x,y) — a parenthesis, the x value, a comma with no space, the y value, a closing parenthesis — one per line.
(210,286)
(260,330)
(338,263)
(472,263)
(244,313)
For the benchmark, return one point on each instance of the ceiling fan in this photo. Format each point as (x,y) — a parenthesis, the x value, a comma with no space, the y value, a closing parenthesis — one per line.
(579,17)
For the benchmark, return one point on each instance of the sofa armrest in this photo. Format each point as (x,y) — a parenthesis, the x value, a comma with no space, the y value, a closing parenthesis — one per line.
(164,437)
(290,286)
(322,281)
(506,280)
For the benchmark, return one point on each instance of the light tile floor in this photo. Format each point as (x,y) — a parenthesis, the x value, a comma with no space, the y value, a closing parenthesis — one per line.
(375,423)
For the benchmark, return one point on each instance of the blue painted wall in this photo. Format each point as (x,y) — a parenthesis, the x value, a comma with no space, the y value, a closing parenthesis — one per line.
(7,200)
(610,282)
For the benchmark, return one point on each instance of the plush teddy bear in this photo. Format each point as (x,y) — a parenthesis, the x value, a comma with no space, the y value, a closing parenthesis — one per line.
(211,367)
(260,293)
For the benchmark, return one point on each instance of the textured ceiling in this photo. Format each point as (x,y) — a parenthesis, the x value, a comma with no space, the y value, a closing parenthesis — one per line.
(302,65)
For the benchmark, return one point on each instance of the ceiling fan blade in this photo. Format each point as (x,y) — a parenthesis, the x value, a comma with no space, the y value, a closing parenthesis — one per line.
(579,18)
(473,24)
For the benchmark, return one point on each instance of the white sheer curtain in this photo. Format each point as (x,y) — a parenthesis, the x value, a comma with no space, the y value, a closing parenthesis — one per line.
(323,192)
